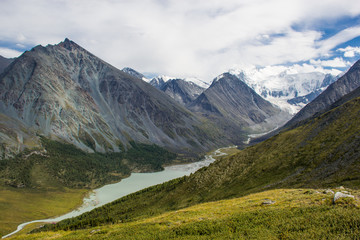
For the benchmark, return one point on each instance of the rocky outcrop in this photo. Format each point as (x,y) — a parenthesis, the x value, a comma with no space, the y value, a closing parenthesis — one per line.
(341,195)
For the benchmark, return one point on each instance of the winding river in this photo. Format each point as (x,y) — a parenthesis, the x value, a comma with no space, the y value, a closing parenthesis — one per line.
(134,183)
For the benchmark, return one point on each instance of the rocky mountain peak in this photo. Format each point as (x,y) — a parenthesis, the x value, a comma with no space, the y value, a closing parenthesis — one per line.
(68,44)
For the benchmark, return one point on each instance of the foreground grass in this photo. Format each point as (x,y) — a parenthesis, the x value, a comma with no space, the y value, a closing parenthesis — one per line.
(296,214)
(23,205)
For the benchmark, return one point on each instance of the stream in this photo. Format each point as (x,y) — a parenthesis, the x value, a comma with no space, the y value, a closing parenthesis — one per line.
(134,183)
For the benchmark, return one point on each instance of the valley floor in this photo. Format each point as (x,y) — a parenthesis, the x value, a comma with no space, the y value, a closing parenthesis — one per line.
(273,214)
(22,204)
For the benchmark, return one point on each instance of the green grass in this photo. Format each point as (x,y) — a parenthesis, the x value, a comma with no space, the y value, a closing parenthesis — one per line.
(296,214)
(22,205)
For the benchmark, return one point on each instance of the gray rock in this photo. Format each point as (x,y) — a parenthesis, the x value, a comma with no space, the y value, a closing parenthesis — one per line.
(181,91)
(339,195)
(328,191)
(268,202)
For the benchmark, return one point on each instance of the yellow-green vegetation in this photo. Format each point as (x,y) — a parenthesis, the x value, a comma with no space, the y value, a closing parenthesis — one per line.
(22,205)
(322,153)
(39,184)
(294,214)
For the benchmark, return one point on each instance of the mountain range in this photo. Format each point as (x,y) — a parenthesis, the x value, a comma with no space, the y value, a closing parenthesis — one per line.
(287,88)
(65,92)
(322,151)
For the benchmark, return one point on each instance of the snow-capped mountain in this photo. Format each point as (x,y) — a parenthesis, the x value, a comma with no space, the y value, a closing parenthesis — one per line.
(286,87)
(159,81)
(198,82)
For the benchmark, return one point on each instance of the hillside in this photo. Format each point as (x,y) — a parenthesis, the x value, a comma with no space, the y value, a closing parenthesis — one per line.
(290,214)
(323,152)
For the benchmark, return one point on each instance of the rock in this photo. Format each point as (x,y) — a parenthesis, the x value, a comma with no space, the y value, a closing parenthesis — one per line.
(267,202)
(94,231)
(341,187)
(339,195)
(328,191)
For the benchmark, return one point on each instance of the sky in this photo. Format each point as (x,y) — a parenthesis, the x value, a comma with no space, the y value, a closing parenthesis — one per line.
(190,38)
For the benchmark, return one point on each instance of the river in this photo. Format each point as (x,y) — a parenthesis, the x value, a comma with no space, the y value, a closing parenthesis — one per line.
(134,183)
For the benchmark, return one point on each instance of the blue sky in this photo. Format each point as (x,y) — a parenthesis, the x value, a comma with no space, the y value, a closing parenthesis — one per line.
(190,38)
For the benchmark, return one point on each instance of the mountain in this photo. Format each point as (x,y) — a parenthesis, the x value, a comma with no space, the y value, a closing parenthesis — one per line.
(64,92)
(322,152)
(159,81)
(344,85)
(134,73)
(198,82)
(285,86)
(181,91)
(4,62)
(233,105)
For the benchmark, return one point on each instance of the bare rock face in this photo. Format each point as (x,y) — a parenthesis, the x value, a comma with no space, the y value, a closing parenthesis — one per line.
(181,91)
(65,91)
(234,105)
(4,62)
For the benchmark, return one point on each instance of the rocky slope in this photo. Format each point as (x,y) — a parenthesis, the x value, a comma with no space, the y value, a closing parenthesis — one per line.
(134,73)
(65,92)
(4,62)
(233,105)
(181,91)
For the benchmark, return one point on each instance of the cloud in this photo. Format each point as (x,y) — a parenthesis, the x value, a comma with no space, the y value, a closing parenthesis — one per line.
(349,51)
(182,38)
(9,53)
(337,62)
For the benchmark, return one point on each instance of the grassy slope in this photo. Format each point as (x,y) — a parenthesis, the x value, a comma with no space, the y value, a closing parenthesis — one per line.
(296,214)
(322,153)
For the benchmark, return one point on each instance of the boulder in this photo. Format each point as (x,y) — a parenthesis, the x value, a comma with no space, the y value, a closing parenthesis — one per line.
(339,195)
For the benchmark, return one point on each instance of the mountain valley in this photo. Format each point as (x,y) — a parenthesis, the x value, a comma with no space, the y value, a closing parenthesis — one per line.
(321,152)
(70,122)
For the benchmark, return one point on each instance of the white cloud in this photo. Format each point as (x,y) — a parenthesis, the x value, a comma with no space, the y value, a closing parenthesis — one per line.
(9,53)
(183,38)
(349,51)
(336,63)
(343,36)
